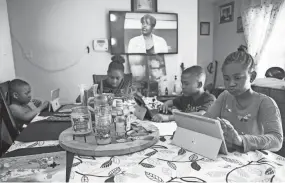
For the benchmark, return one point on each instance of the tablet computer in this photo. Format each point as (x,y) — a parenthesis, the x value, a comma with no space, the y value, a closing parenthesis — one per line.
(203,125)
(55,105)
(138,99)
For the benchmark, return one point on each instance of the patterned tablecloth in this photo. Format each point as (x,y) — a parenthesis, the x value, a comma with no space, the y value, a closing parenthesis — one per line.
(163,162)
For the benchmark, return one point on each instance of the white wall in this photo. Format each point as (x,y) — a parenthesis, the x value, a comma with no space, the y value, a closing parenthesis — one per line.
(226,38)
(7,70)
(205,43)
(50,37)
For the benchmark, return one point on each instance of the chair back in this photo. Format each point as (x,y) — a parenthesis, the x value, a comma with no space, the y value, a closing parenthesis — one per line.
(5,89)
(97,78)
(7,118)
(211,76)
(275,72)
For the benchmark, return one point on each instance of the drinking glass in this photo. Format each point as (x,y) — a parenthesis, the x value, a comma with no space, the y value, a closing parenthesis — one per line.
(81,120)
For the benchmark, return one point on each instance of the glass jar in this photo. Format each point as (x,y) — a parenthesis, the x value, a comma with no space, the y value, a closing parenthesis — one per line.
(120,124)
(81,120)
(103,120)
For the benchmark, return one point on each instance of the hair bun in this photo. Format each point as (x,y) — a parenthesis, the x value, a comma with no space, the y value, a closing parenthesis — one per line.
(242,48)
(118,59)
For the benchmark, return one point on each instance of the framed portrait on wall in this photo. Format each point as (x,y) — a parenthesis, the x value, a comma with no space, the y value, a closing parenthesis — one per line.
(227,12)
(239,25)
(144,5)
(204,28)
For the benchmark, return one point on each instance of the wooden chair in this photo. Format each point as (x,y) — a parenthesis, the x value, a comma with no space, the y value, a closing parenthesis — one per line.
(7,119)
(5,89)
(211,76)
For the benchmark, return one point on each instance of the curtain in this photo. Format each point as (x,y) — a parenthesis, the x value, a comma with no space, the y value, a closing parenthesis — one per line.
(259,18)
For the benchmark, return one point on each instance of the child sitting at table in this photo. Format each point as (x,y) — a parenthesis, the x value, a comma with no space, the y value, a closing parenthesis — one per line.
(22,107)
(250,120)
(116,82)
(194,98)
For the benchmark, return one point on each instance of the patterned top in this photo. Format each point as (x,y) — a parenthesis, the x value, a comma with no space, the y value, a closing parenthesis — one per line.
(124,85)
(259,124)
(107,88)
(188,104)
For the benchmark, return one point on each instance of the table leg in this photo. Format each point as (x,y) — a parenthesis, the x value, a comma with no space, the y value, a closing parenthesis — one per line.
(69,162)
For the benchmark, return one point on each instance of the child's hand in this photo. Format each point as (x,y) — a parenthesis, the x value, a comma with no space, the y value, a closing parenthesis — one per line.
(160,118)
(164,108)
(230,134)
(44,105)
(37,102)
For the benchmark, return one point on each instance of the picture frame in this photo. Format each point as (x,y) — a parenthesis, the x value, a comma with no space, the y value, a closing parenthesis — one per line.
(204,28)
(226,13)
(239,25)
(144,5)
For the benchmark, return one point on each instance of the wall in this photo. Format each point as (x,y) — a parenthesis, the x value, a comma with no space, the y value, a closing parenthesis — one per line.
(205,42)
(226,38)
(50,37)
(7,70)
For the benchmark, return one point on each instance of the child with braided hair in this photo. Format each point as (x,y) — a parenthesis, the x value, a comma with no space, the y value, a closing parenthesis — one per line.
(250,120)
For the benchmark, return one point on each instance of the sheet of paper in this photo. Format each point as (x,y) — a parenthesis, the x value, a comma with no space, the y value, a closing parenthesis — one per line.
(165,128)
(39,118)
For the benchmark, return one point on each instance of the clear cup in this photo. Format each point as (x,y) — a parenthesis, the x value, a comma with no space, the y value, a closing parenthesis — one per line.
(81,120)
(103,121)
(83,89)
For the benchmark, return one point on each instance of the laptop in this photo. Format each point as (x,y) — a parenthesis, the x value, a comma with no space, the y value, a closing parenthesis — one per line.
(55,103)
(204,135)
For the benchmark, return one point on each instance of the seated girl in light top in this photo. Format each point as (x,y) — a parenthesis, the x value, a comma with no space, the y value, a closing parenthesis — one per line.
(250,120)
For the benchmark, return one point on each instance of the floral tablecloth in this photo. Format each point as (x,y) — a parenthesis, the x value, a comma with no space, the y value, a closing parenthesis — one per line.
(164,162)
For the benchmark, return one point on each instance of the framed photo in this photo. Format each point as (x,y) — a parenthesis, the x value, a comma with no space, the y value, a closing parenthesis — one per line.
(239,25)
(227,12)
(204,28)
(144,5)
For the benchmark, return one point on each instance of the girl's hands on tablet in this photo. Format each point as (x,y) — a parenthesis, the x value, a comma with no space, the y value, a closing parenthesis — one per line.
(230,134)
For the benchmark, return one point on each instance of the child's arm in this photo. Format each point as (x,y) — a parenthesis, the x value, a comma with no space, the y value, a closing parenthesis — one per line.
(18,113)
(166,105)
(214,110)
(269,116)
(207,102)
(37,102)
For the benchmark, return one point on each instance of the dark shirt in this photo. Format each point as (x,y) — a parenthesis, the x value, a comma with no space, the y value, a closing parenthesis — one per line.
(107,88)
(150,51)
(188,104)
